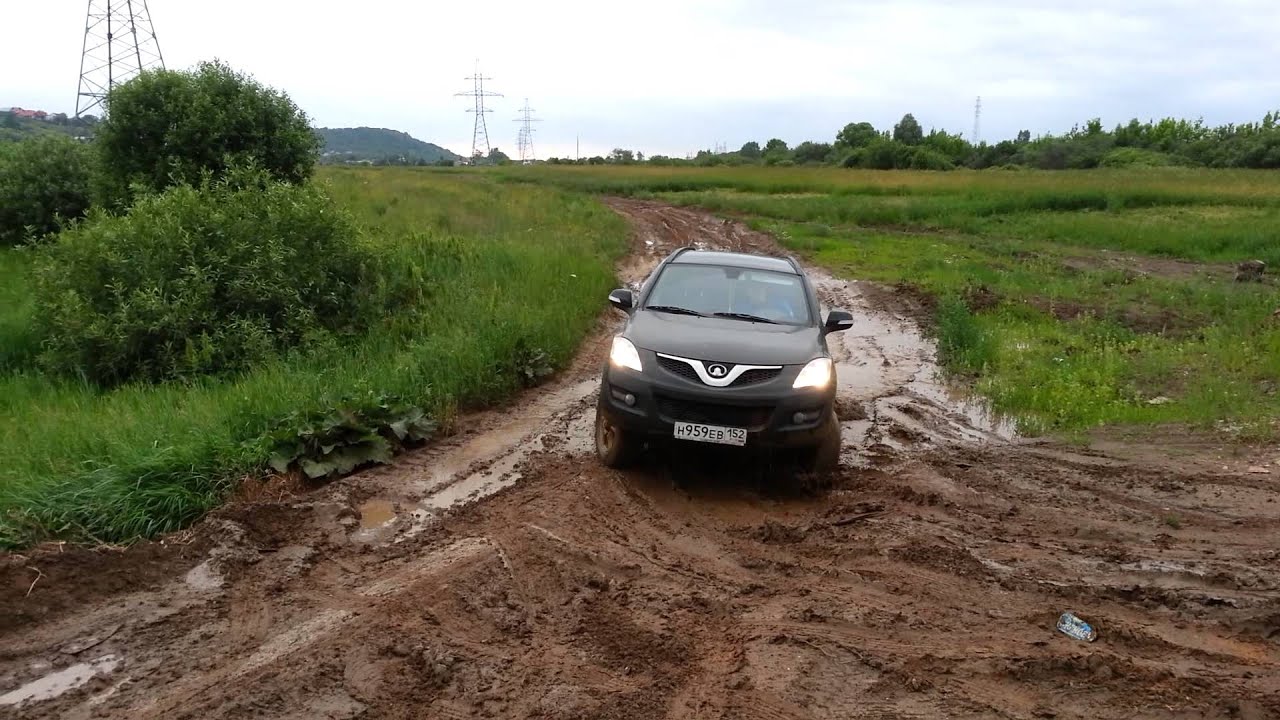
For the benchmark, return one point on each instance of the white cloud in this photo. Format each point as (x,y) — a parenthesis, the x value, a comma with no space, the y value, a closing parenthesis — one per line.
(673,76)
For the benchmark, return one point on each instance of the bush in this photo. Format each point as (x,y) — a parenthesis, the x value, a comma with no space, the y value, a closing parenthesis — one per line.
(169,127)
(1137,157)
(200,280)
(886,155)
(926,159)
(42,181)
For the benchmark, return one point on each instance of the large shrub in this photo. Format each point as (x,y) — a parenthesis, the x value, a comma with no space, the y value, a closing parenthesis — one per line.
(167,127)
(42,180)
(199,280)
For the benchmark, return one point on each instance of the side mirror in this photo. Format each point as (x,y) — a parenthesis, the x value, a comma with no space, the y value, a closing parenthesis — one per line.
(837,321)
(623,299)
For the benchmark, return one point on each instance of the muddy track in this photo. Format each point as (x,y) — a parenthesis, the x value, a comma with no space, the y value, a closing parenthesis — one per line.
(504,573)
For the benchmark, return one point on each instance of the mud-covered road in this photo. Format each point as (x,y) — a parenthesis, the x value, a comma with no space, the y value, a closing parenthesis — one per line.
(503,573)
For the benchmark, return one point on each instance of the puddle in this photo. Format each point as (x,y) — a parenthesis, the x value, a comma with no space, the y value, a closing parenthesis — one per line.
(887,364)
(512,437)
(375,514)
(377,521)
(482,484)
(55,684)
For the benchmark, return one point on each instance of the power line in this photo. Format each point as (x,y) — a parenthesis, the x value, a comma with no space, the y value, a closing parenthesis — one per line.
(119,43)
(481,128)
(525,139)
(977,121)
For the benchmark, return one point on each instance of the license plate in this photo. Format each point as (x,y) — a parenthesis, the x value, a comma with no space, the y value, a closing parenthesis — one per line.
(710,434)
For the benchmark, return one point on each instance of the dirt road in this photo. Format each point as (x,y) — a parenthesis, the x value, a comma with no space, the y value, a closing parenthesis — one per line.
(504,573)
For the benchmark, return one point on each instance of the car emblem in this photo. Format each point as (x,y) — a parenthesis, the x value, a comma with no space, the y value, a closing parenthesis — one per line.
(717,371)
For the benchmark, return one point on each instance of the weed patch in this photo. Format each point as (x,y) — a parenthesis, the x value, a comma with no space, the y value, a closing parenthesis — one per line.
(471,269)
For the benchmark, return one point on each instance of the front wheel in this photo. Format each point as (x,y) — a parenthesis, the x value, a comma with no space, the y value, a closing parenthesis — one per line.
(825,457)
(615,447)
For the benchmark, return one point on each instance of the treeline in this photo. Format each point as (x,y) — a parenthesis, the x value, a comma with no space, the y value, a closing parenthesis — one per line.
(1163,143)
(383,160)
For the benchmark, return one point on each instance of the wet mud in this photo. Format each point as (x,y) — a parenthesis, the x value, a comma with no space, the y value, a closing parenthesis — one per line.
(504,573)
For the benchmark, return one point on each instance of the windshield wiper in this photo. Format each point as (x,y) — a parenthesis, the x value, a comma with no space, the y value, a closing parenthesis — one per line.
(674,309)
(746,316)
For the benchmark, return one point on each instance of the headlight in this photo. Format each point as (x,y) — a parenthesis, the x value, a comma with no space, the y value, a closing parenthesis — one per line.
(624,354)
(817,374)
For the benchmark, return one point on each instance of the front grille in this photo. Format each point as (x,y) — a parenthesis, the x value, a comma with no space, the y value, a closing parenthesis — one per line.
(683,369)
(752,377)
(686,371)
(749,417)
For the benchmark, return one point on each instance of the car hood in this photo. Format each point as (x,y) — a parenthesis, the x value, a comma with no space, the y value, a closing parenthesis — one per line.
(722,340)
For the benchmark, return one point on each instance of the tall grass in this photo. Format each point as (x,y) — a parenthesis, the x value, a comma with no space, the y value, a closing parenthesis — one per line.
(1142,187)
(17,340)
(481,268)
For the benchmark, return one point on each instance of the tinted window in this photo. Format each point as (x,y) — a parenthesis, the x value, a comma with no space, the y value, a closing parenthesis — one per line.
(710,289)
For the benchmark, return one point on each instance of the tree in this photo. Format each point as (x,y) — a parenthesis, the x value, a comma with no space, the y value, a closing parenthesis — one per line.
(775,146)
(497,157)
(168,127)
(811,152)
(42,180)
(750,150)
(857,135)
(908,131)
(886,155)
(9,120)
(622,157)
(1024,136)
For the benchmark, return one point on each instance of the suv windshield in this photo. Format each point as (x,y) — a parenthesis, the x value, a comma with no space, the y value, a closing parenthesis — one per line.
(731,292)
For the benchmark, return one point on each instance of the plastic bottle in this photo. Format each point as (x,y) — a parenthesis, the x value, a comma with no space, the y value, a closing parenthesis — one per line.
(1074,627)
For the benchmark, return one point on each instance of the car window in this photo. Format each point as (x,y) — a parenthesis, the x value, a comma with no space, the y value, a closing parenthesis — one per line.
(711,289)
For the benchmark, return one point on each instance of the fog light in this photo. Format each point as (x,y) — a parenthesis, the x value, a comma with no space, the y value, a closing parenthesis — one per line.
(630,400)
(805,416)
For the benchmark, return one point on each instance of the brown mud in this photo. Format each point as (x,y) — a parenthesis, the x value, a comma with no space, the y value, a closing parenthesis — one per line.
(504,573)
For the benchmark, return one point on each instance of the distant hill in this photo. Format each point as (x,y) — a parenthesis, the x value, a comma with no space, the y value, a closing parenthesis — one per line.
(13,128)
(365,144)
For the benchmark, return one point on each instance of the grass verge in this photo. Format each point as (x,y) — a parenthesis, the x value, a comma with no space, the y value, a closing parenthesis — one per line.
(488,281)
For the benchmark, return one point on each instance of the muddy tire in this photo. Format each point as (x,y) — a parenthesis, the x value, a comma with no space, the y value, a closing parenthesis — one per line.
(615,447)
(824,459)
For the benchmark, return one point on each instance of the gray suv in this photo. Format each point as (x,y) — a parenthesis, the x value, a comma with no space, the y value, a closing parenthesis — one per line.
(723,348)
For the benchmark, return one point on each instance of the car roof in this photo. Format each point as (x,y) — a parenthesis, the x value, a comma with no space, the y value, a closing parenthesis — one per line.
(734,259)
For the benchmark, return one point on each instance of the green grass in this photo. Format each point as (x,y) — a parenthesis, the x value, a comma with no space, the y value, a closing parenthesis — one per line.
(1057,295)
(17,340)
(481,268)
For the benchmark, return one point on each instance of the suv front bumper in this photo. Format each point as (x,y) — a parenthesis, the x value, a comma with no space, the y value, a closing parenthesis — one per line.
(774,414)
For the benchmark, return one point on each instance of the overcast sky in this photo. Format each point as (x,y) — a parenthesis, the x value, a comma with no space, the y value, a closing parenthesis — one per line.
(674,76)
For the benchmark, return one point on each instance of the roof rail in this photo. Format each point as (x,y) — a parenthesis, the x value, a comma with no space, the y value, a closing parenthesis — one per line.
(679,251)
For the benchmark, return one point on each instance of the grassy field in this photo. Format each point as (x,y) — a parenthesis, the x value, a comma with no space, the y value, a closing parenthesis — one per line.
(1074,300)
(492,279)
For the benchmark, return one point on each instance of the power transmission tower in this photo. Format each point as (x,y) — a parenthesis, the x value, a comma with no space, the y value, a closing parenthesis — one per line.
(481,129)
(119,43)
(977,121)
(525,139)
